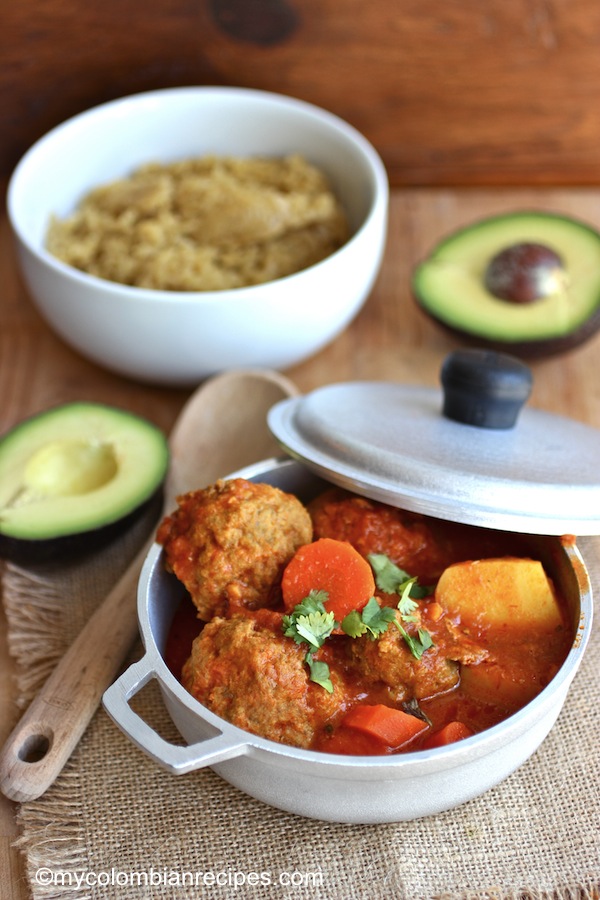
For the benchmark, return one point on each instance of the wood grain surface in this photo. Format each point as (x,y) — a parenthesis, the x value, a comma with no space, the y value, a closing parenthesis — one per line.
(494,92)
(389,339)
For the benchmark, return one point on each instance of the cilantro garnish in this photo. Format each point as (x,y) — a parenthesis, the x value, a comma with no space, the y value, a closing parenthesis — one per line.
(372,620)
(310,623)
(417,645)
(406,604)
(388,576)
(391,579)
(319,672)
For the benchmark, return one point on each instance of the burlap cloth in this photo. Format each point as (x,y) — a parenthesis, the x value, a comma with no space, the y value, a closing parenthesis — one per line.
(113,812)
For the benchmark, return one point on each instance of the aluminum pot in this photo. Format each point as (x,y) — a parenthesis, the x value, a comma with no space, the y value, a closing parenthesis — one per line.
(326,786)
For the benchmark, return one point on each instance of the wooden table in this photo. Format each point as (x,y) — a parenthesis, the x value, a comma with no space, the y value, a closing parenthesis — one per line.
(388,340)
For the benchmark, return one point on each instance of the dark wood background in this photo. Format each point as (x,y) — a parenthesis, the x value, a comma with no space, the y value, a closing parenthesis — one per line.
(451,93)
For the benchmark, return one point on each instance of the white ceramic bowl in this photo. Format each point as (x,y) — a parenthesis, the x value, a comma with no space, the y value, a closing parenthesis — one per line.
(178,338)
(327,786)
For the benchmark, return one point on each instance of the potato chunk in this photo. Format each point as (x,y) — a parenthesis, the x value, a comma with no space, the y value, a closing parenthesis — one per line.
(501,592)
(508,686)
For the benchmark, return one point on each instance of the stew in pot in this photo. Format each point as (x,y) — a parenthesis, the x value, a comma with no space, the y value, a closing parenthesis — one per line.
(349,626)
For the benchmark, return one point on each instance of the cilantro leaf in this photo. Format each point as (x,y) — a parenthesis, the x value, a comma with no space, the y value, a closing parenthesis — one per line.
(417,645)
(376,618)
(391,579)
(319,672)
(425,640)
(388,576)
(315,628)
(372,620)
(309,622)
(353,625)
(407,605)
(314,602)
(418,591)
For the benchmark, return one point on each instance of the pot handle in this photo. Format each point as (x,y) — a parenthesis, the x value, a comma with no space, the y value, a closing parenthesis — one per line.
(173,757)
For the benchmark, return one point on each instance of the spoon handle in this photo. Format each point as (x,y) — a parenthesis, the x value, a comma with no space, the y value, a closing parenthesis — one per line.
(46,735)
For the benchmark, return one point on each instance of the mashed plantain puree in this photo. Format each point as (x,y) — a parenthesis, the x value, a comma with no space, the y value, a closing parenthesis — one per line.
(205,224)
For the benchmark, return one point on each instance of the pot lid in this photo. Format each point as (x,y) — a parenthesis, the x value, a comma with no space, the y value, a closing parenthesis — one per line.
(468,454)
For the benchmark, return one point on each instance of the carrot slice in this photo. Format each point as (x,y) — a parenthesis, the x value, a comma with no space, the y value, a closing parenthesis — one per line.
(392,727)
(453,731)
(332,566)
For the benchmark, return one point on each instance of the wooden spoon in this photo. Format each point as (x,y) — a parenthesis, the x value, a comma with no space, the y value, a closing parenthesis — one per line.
(221,428)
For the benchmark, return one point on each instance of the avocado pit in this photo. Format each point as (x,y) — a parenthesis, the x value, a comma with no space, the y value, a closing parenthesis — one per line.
(525,282)
(525,272)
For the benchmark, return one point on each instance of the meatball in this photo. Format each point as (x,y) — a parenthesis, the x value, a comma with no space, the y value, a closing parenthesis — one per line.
(388,661)
(374,527)
(230,542)
(245,670)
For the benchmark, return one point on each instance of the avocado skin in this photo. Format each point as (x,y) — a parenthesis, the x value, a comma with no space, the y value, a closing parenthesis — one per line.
(527,348)
(76,546)
(540,349)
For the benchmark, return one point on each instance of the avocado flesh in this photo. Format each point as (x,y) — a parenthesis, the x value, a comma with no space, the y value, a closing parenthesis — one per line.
(450,285)
(76,469)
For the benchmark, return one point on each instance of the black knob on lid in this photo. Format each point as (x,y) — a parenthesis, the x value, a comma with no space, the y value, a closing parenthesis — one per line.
(484,388)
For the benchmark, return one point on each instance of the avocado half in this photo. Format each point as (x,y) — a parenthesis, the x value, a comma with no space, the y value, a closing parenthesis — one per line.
(74,477)
(452,284)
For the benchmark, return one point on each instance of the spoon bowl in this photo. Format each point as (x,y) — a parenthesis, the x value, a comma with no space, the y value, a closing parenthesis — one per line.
(221,428)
